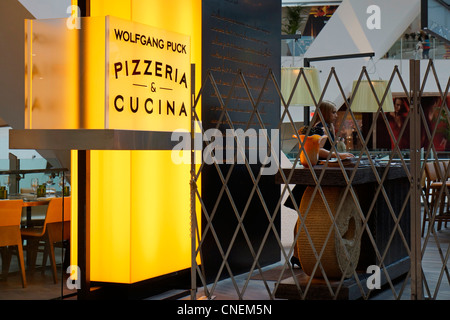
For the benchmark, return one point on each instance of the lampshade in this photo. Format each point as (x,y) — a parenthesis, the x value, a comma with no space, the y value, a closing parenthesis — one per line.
(364,99)
(301,96)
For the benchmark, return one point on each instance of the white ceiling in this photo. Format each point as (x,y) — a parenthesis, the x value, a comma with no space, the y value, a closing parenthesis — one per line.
(47,9)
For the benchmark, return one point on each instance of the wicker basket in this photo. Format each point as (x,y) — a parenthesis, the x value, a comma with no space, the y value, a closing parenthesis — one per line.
(318,223)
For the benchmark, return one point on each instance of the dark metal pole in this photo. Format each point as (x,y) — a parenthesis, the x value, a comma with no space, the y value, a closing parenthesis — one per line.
(84,229)
(416,256)
(306,109)
(192,191)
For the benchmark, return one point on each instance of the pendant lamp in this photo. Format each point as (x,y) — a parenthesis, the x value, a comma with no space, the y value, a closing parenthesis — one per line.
(364,98)
(302,95)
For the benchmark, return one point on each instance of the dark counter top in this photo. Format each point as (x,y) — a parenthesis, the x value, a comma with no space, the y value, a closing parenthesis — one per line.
(335,176)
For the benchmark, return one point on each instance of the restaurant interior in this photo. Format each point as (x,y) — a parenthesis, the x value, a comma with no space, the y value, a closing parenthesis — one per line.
(103,195)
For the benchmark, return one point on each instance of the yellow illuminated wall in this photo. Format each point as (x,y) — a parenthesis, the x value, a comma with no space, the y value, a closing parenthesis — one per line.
(74,208)
(65,78)
(139,200)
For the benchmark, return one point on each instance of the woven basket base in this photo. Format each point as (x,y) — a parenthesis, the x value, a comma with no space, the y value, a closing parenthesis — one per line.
(318,222)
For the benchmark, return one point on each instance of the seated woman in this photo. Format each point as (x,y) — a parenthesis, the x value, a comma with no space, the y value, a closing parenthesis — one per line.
(329,113)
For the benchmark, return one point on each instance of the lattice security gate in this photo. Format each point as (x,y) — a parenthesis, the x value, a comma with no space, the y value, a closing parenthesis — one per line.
(377,216)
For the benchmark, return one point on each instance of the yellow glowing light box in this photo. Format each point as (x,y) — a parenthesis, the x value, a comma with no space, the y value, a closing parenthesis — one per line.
(140,74)
(93,78)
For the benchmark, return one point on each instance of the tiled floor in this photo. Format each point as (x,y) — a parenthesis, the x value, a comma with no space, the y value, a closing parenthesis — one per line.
(41,286)
(432,267)
(437,279)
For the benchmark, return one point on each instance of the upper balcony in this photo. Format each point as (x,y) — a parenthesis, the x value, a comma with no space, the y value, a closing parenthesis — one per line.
(404,48)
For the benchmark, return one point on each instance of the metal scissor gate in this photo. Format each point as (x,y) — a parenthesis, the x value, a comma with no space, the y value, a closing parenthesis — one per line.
(379,221)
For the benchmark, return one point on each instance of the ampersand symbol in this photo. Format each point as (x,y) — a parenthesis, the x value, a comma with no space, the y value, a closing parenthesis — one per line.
(152,87)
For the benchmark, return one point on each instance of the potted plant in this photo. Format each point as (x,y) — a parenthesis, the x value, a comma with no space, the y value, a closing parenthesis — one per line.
(295,16)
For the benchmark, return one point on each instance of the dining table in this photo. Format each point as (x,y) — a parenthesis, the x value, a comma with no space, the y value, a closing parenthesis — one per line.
(385,233)
(365,181)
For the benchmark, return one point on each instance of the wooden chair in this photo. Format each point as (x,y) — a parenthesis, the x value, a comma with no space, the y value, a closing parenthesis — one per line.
(433,187)
(10,216)
(56,229)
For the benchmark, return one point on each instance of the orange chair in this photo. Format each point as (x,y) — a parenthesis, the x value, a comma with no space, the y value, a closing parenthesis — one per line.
(56,228)
(10,216)
(433,187)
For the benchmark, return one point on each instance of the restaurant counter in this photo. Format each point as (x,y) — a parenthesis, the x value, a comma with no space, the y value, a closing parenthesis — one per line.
(365,180)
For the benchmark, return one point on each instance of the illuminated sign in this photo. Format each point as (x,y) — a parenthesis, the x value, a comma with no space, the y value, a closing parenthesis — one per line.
(148,74)
(111,73)
(123,75)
